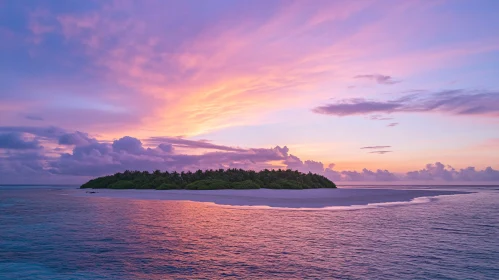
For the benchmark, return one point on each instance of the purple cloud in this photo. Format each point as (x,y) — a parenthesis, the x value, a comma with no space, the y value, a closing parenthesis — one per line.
(393,124)
(167,148)
(129,145)
(293,162)
(357,107)
(439,171)
(471,174)
(454,102)
(16,141)
(90,157)
(129,153)
(380,79)
(436,172)
(76,138)
(365,175)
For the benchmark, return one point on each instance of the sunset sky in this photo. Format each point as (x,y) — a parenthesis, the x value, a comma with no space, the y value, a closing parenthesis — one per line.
(359,91)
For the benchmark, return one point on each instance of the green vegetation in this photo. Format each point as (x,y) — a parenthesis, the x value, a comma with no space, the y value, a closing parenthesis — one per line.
(211,180)
(210,184)
(121,185)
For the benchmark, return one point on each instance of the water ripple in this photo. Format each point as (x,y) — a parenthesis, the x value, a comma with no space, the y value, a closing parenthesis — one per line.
(44,236)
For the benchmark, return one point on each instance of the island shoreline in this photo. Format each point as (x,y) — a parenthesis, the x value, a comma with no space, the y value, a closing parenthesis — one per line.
(279,199)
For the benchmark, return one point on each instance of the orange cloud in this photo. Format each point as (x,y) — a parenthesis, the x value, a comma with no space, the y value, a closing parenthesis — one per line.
(234,75)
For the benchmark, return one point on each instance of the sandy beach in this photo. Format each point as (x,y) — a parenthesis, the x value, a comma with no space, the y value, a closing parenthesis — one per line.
(311,198)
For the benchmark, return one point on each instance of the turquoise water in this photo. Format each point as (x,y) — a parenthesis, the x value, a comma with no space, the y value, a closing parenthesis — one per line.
(45,234)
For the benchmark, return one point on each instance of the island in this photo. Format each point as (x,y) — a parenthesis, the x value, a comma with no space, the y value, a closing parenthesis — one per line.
(211,180)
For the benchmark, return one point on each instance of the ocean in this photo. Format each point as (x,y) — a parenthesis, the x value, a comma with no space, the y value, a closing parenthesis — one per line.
(48,233)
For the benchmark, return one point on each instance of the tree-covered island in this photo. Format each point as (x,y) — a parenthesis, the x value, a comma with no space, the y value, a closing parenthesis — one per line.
(211,180)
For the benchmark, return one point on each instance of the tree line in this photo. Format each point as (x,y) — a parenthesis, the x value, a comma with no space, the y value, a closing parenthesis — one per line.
(211,179)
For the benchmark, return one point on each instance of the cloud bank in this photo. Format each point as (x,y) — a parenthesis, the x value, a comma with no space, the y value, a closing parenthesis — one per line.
(78,156)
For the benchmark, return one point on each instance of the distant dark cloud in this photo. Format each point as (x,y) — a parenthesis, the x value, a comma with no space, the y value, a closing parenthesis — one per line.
(454,102)
(16,141)
(34,118)
(380,152)
(380,79)
(376,147)
(46,132)
(393,124)
(357,107)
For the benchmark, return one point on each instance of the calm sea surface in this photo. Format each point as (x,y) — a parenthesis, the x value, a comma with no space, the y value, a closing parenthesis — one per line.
(45,234)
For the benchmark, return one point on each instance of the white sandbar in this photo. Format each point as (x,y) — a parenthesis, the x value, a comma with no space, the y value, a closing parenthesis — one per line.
(310,198)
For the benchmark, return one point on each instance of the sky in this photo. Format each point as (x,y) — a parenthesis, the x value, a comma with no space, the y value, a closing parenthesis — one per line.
(358,91)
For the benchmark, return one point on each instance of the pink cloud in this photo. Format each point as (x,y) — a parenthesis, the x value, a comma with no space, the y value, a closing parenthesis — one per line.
(221,73)
(40,23)
(218,77)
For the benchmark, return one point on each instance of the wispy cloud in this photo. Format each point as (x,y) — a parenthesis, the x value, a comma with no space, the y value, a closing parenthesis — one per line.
(380,152)
(357,107)
(392,124)
(380,79)
(376,147)
(214,74)
(191,144)
(453,102)
(379,118)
